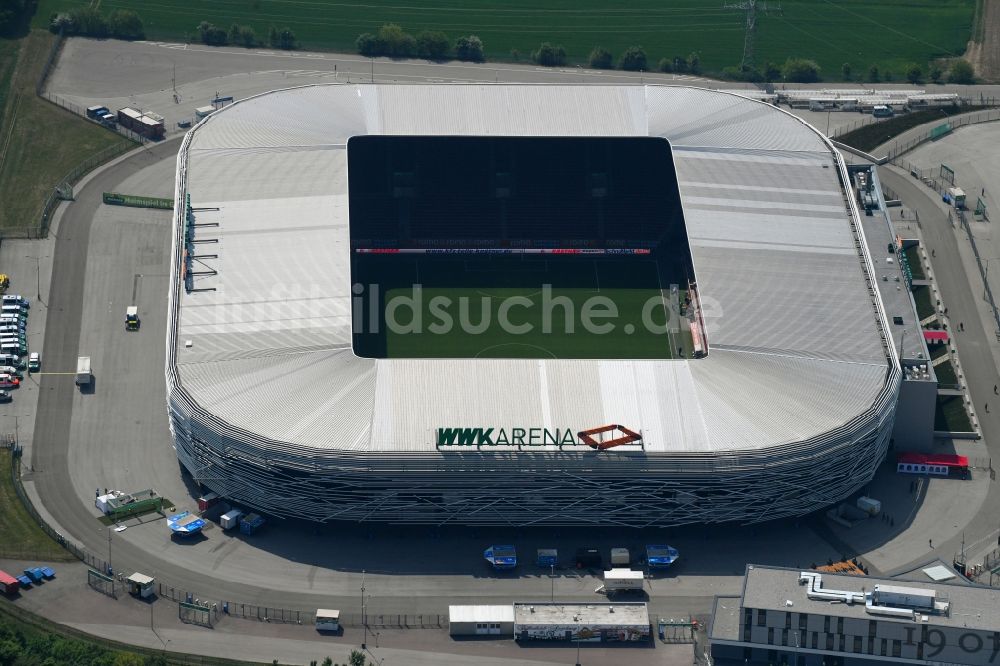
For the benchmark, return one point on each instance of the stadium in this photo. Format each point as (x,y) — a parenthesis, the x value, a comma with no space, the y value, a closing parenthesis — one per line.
(519,304)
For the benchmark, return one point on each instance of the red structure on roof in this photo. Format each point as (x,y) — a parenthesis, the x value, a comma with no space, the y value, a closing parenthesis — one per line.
(940,459)
(936,336)
(594,437)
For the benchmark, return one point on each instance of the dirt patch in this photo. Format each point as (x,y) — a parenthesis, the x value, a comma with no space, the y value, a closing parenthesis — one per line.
(983,50)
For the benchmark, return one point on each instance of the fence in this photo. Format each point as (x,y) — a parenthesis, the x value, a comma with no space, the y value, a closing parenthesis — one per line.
(935,181)
(81,111)
(986,116)
(63,191)
(19,614)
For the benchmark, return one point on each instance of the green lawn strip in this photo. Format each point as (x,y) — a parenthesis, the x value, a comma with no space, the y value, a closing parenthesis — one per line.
(20,535)
(950,414)
(563,341)
(851,31)
(922,297)
(916,266)
(9,49)
(946,373)
(46,141)
(30,639)
(937,351)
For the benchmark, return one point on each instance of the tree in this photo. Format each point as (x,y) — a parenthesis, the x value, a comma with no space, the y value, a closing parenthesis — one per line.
(212,35)
(87,21)
(800,70)
(935,74)
(515,55)
(873,74)
(273,37)
(469,48)
(601,58)
(357,658)
(549,55)
(286,39)
(12,14)
(395,42)
(694,62)
(913,73)
(771,71)
(666,65)
(125,24)
(680,64)
(433,45)
(366,44)
(128,659)
(328,662)
(845,71)
(633,60)
(234,34)
(247,36)
(961,72)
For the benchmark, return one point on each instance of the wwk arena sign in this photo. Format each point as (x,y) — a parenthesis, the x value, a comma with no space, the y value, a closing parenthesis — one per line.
(600,438)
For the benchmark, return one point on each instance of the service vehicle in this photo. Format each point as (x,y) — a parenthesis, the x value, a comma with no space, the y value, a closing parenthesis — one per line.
(10,359)
(587,558)
(623,580)
(882,111)
(84,375)
(132,318)
(34,362)
(97,112)
(15,299)
(501,557)
(661,556)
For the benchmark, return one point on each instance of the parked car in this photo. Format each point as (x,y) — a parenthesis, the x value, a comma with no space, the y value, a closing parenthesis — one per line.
(5,396)
(7,381)
(34,362)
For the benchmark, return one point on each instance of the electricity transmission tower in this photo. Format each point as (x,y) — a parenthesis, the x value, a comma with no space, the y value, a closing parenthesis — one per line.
(750,9)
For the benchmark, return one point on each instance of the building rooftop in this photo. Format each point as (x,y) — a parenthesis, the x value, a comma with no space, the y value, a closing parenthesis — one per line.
(771,588)
(795,336)
(481,613)
(630,613)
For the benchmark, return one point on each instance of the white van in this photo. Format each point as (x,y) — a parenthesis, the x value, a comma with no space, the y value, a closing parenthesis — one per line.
(11,310)
(11,349)
(11,319)
(13,329)
(10,359)
(15,299)
(882,111)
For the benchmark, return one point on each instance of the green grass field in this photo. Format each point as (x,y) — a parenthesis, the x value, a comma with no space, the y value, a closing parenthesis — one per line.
(890,33)
(41,142)
(20,535)
(566,337)
(522,309)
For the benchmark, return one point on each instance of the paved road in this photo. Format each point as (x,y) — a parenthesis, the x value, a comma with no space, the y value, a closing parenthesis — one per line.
(974,344)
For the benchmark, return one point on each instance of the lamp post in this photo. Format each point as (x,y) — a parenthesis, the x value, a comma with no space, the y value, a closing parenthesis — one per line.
(578,650)
(38,279)
(552,579)
(364,620)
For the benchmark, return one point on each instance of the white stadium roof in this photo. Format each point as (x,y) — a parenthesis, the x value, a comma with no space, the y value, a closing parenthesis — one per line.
(795,334)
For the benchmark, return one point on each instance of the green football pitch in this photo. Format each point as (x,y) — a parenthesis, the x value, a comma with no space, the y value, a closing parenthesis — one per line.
(529,309)
(886,33)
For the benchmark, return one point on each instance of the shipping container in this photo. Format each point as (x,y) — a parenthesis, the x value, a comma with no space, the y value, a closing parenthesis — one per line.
(230,519)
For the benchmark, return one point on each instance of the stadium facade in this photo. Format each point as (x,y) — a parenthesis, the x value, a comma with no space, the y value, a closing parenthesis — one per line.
(791,410)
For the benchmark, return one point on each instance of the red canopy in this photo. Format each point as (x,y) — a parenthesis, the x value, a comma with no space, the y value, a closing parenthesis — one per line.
(936,336)
(942,459)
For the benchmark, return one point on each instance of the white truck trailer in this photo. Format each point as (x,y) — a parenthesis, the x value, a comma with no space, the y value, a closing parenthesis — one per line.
(622,580)
(83,372)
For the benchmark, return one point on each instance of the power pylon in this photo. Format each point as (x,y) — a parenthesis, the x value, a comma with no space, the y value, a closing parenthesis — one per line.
(750,9)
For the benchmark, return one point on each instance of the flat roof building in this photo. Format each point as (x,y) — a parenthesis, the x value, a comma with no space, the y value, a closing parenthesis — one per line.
(808,618)
(600,622)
